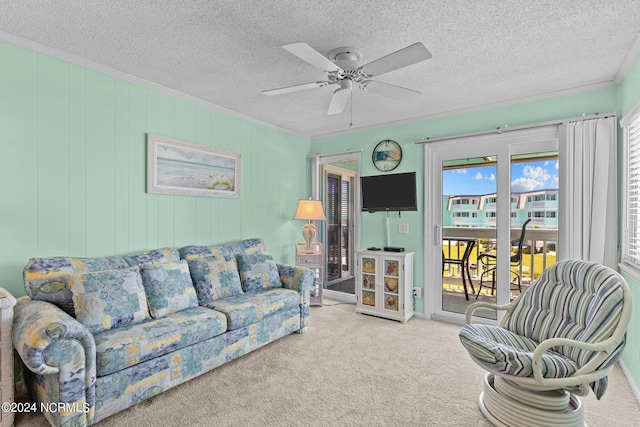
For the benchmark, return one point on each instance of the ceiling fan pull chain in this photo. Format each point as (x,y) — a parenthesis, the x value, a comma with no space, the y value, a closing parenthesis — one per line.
(351,122)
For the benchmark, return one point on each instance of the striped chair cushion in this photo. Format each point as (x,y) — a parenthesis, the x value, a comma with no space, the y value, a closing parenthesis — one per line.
(503,351)
(573,299)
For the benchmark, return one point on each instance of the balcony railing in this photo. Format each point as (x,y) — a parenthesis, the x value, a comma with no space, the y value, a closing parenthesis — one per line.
(539,250)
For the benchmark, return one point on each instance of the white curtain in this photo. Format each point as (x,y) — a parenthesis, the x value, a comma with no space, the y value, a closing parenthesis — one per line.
(589,212)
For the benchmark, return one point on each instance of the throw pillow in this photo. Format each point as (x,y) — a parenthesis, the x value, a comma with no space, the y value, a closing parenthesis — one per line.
(168,287)
(215,277)
(258,272)
(109,299)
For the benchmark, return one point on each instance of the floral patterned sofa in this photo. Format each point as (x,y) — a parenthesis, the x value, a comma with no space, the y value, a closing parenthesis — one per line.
(98,335)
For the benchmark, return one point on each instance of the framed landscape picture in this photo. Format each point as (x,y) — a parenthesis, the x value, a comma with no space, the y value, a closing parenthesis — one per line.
(183,168)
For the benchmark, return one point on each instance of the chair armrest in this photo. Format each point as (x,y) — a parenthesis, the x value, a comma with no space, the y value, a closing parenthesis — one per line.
(476,305)
(38,326)
(299,279)
(604,349)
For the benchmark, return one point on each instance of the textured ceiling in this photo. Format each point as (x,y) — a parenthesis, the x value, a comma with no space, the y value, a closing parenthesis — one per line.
(226,52)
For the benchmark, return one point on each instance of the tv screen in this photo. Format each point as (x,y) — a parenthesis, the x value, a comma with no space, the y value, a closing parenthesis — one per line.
(393,192)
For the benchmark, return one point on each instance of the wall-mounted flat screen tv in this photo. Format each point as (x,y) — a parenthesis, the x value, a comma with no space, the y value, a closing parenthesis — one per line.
(391,192)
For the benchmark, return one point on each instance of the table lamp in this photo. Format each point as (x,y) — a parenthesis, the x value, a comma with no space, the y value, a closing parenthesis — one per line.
(311,210)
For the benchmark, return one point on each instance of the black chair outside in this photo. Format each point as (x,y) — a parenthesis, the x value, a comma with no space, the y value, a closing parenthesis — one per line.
(488,262)
(462,263)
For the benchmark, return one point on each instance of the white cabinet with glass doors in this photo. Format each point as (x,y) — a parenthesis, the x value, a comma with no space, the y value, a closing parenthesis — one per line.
(384,284)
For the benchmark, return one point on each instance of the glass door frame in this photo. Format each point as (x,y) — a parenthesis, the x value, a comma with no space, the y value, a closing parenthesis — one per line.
(504,146)
(350,176)
(317,161)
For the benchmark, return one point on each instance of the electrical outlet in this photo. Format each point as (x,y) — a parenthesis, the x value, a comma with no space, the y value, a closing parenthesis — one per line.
(417,293)
(403,228)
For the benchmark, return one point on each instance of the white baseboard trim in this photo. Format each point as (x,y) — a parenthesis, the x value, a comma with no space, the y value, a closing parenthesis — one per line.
(339,296)
(420,315)
(632,384)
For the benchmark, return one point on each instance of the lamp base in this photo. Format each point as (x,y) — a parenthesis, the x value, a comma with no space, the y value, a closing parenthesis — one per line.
(309,233)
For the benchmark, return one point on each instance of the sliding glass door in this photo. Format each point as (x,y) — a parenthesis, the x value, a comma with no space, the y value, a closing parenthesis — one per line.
(480,192)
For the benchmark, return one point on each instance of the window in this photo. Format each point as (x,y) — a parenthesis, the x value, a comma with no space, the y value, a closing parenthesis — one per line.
(631,187)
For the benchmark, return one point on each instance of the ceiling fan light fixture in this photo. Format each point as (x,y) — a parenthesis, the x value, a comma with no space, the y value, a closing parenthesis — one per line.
(345,85)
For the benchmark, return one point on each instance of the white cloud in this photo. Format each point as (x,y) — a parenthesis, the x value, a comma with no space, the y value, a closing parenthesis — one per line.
(491,177)
(534,178)
(557,165)
(478,176)
(463,171)
(537,173)
(523,184)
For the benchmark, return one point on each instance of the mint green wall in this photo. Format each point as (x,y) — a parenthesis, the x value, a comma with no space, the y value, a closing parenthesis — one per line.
(72,168)
(619,99)
(629,95)
(73,176)
(373,225)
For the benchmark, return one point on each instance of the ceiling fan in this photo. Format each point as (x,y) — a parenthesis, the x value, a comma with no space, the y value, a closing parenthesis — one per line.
(343,69)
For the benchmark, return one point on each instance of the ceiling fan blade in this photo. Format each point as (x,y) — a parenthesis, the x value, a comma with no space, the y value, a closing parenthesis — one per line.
(294,88)
(338,101)
(390,91)
(399,59)
(310,55)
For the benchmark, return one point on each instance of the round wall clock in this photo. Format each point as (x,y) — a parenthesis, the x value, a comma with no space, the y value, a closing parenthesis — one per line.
(387,155)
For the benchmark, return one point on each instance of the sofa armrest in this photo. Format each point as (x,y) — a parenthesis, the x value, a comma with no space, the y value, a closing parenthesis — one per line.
(299,279)
(61,351)
(39,324)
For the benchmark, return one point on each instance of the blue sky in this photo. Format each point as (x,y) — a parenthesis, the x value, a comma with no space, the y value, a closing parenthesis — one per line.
(526,176)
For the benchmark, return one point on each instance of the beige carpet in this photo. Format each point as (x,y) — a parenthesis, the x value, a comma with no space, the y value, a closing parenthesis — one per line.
(349,369)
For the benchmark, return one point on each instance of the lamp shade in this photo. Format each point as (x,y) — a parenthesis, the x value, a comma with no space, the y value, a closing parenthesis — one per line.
(310,210)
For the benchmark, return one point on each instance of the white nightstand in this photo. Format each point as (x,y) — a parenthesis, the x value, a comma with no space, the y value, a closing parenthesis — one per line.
(312,259)
(7,301)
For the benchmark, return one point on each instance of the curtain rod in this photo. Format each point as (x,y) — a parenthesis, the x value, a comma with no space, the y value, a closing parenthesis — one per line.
(340,153)
(506,128)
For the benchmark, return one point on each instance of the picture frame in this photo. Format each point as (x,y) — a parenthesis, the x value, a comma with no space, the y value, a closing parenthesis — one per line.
(187,169)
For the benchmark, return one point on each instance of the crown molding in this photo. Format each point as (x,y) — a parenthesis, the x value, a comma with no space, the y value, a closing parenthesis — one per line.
(629,60)
(465,110)
(112,72)
(64,56)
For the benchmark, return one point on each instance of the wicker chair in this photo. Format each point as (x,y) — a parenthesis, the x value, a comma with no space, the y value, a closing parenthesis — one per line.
(557,339)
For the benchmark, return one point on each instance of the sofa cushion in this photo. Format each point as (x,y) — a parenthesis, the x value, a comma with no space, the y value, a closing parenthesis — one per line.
(215,277)
(47,279)
(126,346)
(168,287)
(246,246)
(156,256)
(109,299)
(258,272)
(248,308)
